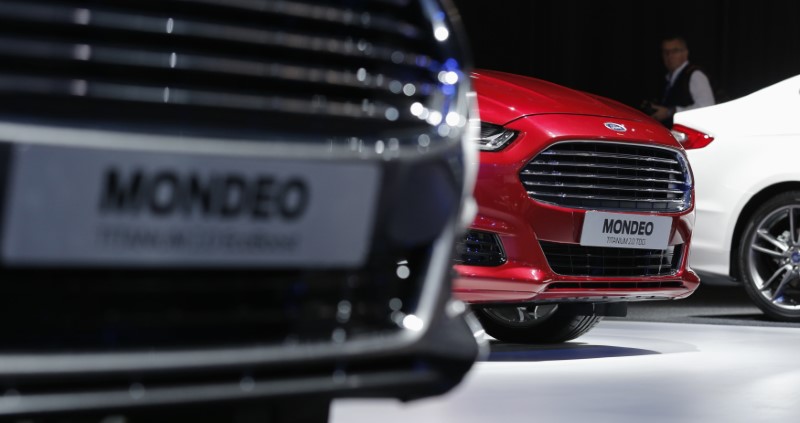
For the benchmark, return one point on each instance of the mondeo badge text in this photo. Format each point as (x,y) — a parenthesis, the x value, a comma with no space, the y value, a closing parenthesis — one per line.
(627,227)
(223,195)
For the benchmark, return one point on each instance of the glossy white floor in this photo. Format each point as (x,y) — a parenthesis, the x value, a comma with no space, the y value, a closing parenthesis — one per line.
(620,372)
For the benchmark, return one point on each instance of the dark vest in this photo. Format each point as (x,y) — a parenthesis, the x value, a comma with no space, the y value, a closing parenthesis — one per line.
(678,94)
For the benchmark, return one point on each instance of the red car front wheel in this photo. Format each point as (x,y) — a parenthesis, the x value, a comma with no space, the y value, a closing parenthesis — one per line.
(534,324)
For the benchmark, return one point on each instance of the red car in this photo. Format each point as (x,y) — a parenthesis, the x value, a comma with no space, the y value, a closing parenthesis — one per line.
(584,204)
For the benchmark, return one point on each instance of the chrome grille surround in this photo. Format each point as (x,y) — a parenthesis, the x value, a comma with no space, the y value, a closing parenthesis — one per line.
(603,175)
(370,78)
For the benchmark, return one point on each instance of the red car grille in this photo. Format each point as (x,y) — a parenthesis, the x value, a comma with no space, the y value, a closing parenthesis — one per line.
(577,260)
(609,176)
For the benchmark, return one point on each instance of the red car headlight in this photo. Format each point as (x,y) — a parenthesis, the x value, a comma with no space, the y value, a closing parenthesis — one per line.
(494,137)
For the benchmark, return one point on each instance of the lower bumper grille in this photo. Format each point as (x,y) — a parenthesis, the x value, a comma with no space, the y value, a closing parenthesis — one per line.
(104,310)
(615,285)
(578,260)
(479,248)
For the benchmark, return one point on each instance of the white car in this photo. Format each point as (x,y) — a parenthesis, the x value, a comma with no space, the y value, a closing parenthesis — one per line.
(745,155)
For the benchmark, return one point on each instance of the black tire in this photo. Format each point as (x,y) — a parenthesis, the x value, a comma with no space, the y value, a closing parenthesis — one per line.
(560,325)
(772,279)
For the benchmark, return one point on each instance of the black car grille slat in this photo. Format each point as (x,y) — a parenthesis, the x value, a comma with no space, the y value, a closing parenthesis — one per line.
(361,18)
(602,166)
(609,176)
(584,176)
(620,199)
(578,260)
(243,92)
(602,187)
(88,62)
(322,12)
(96,49)
(198,38)
(608,156)
(479,248)
(293,59)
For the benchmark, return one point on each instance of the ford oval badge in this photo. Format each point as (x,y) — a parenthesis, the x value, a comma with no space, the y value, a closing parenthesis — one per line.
(616,127)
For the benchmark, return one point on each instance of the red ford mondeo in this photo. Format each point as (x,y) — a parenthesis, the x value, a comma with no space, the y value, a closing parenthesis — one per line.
(584,204)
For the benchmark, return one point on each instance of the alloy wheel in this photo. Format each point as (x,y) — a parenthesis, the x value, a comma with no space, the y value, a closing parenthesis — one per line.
(774,258)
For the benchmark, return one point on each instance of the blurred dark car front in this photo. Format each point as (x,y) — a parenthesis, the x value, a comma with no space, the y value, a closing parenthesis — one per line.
(210,202)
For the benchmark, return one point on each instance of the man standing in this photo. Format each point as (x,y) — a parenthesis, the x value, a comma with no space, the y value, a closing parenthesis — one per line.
(687,87)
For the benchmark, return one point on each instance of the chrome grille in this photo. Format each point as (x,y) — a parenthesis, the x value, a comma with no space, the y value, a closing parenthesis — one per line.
(240,66)
(578,260)
(609,176)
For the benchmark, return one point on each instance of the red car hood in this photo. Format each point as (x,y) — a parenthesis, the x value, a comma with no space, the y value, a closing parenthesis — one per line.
(503,97)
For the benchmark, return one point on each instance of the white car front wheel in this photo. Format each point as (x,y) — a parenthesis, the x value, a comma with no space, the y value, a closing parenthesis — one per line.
(769,257)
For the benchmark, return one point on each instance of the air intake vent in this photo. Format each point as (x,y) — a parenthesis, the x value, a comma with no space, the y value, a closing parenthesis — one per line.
(609,176)
(577,260)
(480,249)
(236,66)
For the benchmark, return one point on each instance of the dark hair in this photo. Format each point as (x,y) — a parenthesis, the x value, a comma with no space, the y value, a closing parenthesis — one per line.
(675,37)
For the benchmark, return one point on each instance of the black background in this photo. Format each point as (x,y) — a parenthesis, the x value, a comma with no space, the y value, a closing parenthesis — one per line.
(612,48)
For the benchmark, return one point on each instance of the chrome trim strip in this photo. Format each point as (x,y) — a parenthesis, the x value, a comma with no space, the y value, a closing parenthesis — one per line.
(602,197)
(588,175)
(596,186)
(608,156)
(604,166)
(137,23)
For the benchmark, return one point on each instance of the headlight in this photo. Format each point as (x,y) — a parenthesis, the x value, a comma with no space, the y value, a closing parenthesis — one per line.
(494,137)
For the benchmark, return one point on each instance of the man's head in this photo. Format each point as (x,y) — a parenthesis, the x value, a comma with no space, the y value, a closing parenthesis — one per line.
(674,52)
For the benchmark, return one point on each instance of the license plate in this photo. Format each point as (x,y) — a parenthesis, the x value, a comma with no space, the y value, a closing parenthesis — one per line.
(102,207)
(602,229)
